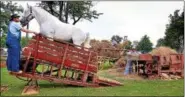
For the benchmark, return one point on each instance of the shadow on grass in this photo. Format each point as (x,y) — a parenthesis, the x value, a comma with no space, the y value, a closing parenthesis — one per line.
(54,85)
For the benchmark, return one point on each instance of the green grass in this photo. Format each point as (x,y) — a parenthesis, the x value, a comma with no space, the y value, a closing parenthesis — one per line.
(130,88)
(106,65)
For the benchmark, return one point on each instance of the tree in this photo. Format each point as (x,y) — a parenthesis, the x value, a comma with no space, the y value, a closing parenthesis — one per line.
(129,45)
(135,43)
(144,44)
(75,10)
(24,41)
(174,34)
(160,42)
(7,8)
(116,38)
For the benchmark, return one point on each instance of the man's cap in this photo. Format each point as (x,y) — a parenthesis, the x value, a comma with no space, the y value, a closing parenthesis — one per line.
(15,16)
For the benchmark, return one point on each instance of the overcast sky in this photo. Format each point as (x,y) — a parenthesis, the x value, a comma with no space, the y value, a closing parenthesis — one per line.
(126,18)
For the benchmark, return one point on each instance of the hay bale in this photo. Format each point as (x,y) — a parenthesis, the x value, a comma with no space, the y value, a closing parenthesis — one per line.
(163,51)
(120,63)
(99,47)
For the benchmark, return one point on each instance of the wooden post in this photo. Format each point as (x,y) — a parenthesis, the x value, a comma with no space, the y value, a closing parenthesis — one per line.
(27,61)
(27,35)
(43,69)
(35,53)
(137,67)
(51,70)
(76,75)
(64,57)
(85,75)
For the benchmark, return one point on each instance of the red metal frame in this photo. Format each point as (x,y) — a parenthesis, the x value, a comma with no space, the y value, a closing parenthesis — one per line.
(82,62)
(175,64)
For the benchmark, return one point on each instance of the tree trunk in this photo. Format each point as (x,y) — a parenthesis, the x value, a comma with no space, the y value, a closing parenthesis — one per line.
(50,7)
(61,4)
(75,21)
(66,12)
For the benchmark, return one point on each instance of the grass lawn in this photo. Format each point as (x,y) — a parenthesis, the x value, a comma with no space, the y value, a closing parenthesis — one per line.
(130,88)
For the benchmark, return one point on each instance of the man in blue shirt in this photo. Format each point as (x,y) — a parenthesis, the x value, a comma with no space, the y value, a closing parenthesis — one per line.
(13,43)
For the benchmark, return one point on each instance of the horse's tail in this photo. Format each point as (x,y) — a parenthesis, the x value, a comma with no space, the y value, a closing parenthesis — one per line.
(87,41)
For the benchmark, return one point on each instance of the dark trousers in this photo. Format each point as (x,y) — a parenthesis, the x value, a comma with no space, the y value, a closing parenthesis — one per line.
(13,59)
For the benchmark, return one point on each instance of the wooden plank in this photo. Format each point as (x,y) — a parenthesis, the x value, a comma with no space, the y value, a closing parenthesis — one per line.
(145,57)
(47,57)
(175,59)
(75,65)
(52,42)
(77,54)
(49,51)
(78,50)
(76,58)
(65,81)
(48,46)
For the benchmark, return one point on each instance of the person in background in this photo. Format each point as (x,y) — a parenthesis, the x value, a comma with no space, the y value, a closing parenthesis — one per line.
(130,54)
(13,43)
(129,63)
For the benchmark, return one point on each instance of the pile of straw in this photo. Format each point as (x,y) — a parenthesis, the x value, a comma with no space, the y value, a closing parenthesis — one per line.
(120,63)
(163,51)
(99,47)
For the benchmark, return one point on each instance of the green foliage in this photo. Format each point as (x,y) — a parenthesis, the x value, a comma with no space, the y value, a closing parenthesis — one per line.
(144,45)
(160,42)
(116,38)
(7,9)
(129,45)
(75,10)
(174,35)
(24,41)
(135,43)
(106,65)
(3,40)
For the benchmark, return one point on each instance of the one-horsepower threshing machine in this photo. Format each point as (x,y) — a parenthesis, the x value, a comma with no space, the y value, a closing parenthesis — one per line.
(60,62)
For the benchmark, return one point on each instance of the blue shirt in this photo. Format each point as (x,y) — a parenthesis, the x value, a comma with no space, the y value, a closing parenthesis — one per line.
(14,31)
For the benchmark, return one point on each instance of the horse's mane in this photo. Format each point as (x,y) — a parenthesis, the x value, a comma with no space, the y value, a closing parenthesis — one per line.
(40,10)
(47,15)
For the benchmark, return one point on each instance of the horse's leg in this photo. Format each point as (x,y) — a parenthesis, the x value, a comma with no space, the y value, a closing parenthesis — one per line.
(78,37)
(76,42)
(79,42)
(87,41)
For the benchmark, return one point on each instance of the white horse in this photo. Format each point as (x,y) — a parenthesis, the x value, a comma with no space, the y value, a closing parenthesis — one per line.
(52,27)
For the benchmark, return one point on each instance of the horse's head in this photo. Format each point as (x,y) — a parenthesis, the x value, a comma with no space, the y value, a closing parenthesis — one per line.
(27,16)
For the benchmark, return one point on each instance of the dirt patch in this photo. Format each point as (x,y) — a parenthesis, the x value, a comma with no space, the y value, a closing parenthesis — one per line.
(3,64)
(3,88)
(118,73)
(30,90)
